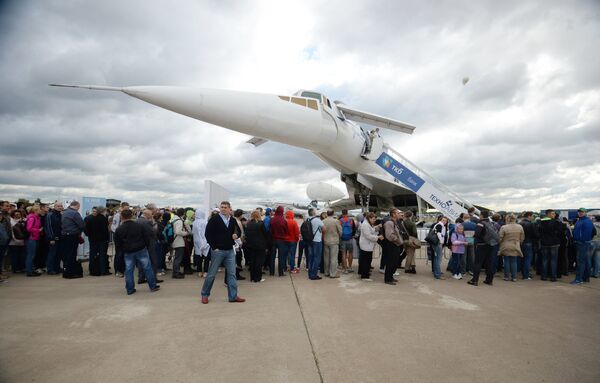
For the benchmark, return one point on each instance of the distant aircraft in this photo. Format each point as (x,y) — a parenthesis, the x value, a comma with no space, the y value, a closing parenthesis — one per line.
(310,120)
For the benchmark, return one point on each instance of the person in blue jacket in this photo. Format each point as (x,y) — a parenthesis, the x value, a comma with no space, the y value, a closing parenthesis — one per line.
(582,235)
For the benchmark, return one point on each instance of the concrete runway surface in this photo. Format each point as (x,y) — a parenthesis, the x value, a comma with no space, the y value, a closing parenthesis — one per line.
(295,330)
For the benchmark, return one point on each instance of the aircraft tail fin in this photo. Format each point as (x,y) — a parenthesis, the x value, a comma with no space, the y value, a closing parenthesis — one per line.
(91,87)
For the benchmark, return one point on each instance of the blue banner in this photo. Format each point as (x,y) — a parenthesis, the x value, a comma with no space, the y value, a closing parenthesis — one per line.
(400,172)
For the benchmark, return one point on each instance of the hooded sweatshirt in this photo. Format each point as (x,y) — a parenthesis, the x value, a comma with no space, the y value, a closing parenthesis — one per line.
(279,227)
(293,230)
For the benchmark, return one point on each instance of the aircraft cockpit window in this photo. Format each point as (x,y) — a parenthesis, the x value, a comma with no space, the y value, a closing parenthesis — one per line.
(284,98)
(315,95)
(299,101)
(312,104)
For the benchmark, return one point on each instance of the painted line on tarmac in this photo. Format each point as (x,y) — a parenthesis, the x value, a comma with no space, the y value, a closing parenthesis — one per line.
(312,347)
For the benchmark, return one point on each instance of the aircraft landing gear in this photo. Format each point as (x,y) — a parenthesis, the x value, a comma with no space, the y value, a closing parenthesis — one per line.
(365,206)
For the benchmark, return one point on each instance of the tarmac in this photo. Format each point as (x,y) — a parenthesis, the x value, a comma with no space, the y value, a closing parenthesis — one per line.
(292,329)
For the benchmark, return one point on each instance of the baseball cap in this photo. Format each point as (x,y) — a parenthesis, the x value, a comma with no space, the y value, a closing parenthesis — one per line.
(582,209)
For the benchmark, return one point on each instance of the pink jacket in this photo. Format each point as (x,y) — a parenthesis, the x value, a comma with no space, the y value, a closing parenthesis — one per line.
(34,224)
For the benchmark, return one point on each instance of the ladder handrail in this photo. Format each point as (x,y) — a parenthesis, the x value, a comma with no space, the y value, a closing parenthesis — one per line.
(423,174)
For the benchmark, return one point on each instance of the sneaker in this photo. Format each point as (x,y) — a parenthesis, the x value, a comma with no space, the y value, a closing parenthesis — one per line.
(350,270)
(576,282)
(455,276)
(345,271)
(396,274)
(459,276)
(366,279)
(119,275)
(513,280)
(382,271)
(162,273)
(506,279)
(204,275)
(262,280)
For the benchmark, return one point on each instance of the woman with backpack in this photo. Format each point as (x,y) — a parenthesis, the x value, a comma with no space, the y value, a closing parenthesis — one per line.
(16,246)
(369,235)
(34,229)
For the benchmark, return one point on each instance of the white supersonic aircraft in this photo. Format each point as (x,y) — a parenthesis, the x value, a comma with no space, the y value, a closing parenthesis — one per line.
(376,176)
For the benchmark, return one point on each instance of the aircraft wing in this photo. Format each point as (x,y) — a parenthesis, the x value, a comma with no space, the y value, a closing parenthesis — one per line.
(374,119)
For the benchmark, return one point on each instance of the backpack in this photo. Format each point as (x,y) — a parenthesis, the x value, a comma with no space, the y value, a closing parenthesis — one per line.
(307,230)
(347,227)
(491,235)
(20,230)
(168,233)
(432,237)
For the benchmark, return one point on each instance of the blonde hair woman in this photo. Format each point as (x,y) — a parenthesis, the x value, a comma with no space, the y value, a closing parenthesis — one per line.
(511,237)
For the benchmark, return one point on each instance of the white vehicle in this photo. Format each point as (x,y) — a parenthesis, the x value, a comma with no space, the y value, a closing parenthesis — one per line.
(309,120)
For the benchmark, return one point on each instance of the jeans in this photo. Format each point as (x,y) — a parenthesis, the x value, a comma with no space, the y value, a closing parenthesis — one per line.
(291,255)
(52,262)
(142,258)
(330,256)
(17,258)
(595,258)
(437,261)
(282,251)
(31,249)
(314,257)
(583,261)
(527,249)
(549,254)
(510,267)
(456,263)
(218,257)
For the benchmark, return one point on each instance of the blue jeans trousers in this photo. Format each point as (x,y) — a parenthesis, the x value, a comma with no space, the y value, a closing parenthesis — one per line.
(52,262)
(583,261)
(218,257)
(527,249)
(291,255)
(595,258)
(314,258)
(456,263)
(31,249)
(549,254)
(143,259)
(510,267)
(282,252)
(437,261)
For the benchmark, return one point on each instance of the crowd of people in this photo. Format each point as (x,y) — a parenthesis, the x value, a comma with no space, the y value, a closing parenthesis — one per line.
(41,238)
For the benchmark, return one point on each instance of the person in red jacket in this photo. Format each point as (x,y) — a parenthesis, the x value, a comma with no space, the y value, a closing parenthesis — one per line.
(279,232)
(291,240)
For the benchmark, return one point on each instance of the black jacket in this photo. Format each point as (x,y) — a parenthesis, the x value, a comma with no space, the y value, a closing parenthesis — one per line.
(531,234)
(551,232)
(53,226)
(96,228)
(218,235)
(256,235)
(131,237)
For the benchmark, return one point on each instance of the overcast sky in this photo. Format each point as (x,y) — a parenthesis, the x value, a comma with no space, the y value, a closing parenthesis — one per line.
(524,132)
